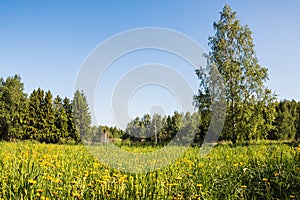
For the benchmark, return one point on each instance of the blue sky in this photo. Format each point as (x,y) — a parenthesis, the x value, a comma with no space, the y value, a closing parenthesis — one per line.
(47,41)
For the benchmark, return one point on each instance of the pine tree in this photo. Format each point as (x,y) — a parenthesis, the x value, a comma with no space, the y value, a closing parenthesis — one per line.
(49,130)
(82,117)
(35,116)
(71,128)
(61,120)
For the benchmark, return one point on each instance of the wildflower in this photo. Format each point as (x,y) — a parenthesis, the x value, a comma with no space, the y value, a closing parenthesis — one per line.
(292,197)
(75,194)
(265,179)
(39,190)
(56,180)
(31,181)
(44,198)
(243,186)
(199,185)
(236,164)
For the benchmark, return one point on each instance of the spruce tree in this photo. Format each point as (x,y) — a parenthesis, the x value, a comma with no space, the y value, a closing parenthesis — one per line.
(71,128)
(60,118)
(35,116)
(49,130)
(82,117)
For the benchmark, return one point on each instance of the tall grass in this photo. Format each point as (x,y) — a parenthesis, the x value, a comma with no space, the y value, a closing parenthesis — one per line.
(40,171)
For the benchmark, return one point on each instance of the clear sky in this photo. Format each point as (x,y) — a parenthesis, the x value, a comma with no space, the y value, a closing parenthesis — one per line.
(47,41)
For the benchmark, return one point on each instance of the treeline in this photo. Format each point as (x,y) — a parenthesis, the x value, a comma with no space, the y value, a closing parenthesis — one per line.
(44,118)
(105,134)
(162,129)
(41,117)
(287,121)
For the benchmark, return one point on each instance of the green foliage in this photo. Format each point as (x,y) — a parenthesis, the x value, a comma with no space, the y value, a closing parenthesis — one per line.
(161,130)
(71,128)
(82,115)
(287,121)
(12,107)
(249,103)
(41,118)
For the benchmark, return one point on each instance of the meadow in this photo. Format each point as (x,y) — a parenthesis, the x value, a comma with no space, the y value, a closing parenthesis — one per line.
(264,170)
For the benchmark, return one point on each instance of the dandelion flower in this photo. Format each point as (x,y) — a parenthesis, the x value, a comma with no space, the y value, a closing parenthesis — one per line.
(39,190)
(31,181)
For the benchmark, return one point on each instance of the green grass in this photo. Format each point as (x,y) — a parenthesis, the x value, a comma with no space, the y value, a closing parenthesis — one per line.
(258,171)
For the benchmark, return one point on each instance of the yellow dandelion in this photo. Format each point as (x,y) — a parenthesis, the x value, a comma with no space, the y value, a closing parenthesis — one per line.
(292,197)
(40,190)
(243,186)
(44,198)
(56,180)
(199,185)
(74,194)
(265,179)
(31,181)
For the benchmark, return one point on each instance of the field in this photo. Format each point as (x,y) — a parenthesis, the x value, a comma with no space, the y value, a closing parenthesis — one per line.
(259,171)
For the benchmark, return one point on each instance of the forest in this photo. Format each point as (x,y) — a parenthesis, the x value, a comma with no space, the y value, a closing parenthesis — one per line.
(44,118)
